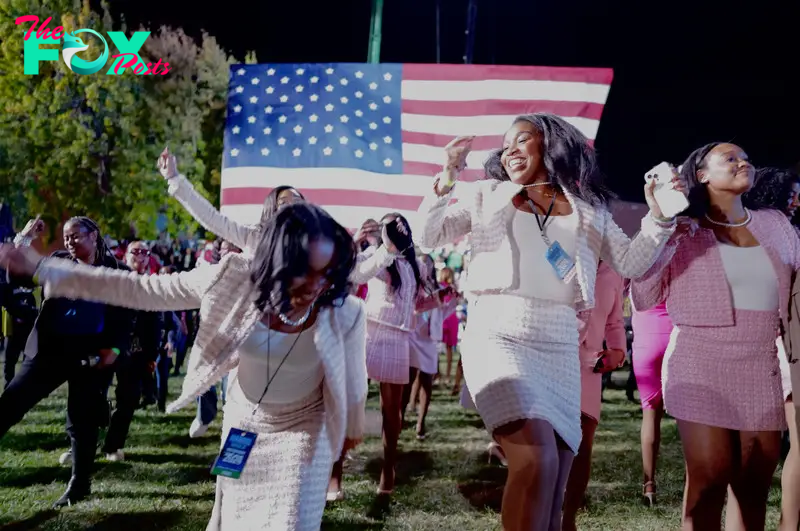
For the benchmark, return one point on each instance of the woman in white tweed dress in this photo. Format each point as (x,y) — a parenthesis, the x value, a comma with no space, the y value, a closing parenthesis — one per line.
(520,350)
(285,313)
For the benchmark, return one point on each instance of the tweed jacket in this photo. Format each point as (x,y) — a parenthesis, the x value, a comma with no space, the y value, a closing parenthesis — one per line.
(224,294)
(485,217)
(246,237)
(690,276)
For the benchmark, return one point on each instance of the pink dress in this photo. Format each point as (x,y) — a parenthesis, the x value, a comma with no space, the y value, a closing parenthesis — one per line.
(651,333)
(603,322)
(450,326)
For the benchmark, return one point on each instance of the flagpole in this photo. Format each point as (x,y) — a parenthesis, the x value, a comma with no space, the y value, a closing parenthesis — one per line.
(472,18)
(376,21)
(438,32)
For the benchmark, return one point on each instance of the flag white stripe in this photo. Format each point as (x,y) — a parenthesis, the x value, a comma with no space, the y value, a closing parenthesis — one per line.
(494,89)
(481,125)
(435,155)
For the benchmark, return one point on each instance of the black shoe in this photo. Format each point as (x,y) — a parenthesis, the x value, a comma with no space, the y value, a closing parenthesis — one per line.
(75,493)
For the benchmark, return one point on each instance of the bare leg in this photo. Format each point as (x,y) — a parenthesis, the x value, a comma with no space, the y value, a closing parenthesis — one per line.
(533,472)
(579,474)
(391,408)
(335,484)
(790,478)
(651,443)
(409,391)
(565,458)
(426,391)
(459,377)
(449,358)
(759,453)
(709,454)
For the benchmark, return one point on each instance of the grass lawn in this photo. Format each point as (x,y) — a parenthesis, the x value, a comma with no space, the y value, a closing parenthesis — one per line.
(444,483)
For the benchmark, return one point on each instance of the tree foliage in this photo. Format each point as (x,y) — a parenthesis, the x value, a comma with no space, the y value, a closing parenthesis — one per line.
(87,144)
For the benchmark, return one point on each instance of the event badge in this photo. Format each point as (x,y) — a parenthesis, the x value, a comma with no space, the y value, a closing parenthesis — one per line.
(562,264)
(234,454)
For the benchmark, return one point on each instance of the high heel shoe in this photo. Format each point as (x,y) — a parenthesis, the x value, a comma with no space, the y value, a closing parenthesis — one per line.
(649,498)
(496,451)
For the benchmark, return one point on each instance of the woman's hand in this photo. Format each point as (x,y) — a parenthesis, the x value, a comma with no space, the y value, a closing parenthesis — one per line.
(609,360)
(33,228)
(368,232)
(649,190)
(167,164)
(455,161)
(20,261)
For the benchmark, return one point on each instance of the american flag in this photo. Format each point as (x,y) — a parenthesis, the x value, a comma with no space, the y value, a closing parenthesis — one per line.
(362,140)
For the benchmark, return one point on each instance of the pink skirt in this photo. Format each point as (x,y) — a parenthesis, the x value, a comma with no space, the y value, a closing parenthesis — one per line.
(450,330)
(388,356)
(727,377)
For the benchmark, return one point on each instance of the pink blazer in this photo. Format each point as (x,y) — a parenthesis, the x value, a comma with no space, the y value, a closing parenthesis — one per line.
(604,321)
(690,277)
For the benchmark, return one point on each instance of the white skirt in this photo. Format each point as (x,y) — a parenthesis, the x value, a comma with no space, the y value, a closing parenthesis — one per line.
(284,482)
(423,353)
(520,359)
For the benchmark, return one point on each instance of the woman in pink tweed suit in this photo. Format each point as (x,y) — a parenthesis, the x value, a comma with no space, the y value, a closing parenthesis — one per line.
(725,277)
(520,350)
(253,311)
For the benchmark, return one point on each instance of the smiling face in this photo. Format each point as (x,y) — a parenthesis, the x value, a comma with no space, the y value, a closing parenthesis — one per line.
(522,155)
(727,169)
(794,200)
(80,243)
(304,290)
(137,257)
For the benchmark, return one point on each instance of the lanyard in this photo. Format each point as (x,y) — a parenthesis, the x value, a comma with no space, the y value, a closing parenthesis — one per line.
(269,355)
(543,223)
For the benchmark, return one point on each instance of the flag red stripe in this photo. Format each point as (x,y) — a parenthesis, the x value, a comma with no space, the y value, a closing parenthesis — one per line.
(428,168)
(503,107)
(256,195)
(481,143)
(434,72)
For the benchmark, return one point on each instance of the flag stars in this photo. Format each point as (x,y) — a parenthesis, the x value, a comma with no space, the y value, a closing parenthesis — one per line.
(282,119)
(358,153)
(265,151)
(234,152)
(284,98)
(267,130)
(240,72)
(250,140)
(255,81)
(344,99)
(268,109)
(281,141)
(271,72)
(313,118)
(298,108)
(329,71)
(359,132)
(327,151)
(387,162)
(314,79)
(312,140)
(296,152)
(343,140)
(373,126)
(253,99)
(329,88)
(237,109)
(328,128)
(359,74)
(387,76)
(284,80)
(344,119)
(373,86)
(300,71)
(251,119)
(373,106)
(239,89)
(359,113)
(270,90)
(373,146)
(298,129)
(235,130)
(359,94)
(387,99)
(298,88)
(313,97)
(329,107)
(344,82)
(387,140)
(387,120)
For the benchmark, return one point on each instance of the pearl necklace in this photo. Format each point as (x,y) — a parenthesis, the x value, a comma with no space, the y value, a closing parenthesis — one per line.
(300,322)
(535,184)
(732,225)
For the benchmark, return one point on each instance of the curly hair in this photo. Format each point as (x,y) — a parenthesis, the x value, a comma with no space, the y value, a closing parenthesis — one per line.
(569,159)
(772,188)
(283,255)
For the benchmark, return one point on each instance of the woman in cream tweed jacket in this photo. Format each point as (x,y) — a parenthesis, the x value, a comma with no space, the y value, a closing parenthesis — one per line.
(270,494)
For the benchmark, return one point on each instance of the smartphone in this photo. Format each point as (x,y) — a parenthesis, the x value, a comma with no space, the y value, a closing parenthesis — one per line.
(671,201)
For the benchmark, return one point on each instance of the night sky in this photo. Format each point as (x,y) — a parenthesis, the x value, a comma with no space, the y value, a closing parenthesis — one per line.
(684,73)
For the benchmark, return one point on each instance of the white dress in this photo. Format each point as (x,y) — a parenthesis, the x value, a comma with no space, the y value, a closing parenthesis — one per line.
(520,350)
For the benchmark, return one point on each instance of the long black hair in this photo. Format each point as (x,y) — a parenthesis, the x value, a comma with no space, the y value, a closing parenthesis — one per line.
(699,200)
(283,254)
(405,245)
(271,202)
(569,159)
(772,188)
(103,254)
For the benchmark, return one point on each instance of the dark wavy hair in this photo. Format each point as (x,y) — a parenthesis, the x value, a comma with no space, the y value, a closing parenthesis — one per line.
(405,245)
(271,202)
(699,200)
(772,188)
(569,159)
(430,282)
(283,254)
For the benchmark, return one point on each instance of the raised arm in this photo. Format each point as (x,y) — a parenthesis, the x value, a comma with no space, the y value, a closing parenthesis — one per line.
(181,291)
(245,237)
(355,349)
(370,264)
(632,258)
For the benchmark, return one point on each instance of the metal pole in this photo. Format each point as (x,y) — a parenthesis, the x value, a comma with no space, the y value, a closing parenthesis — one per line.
(472,18)
(438,32)
(374,52)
